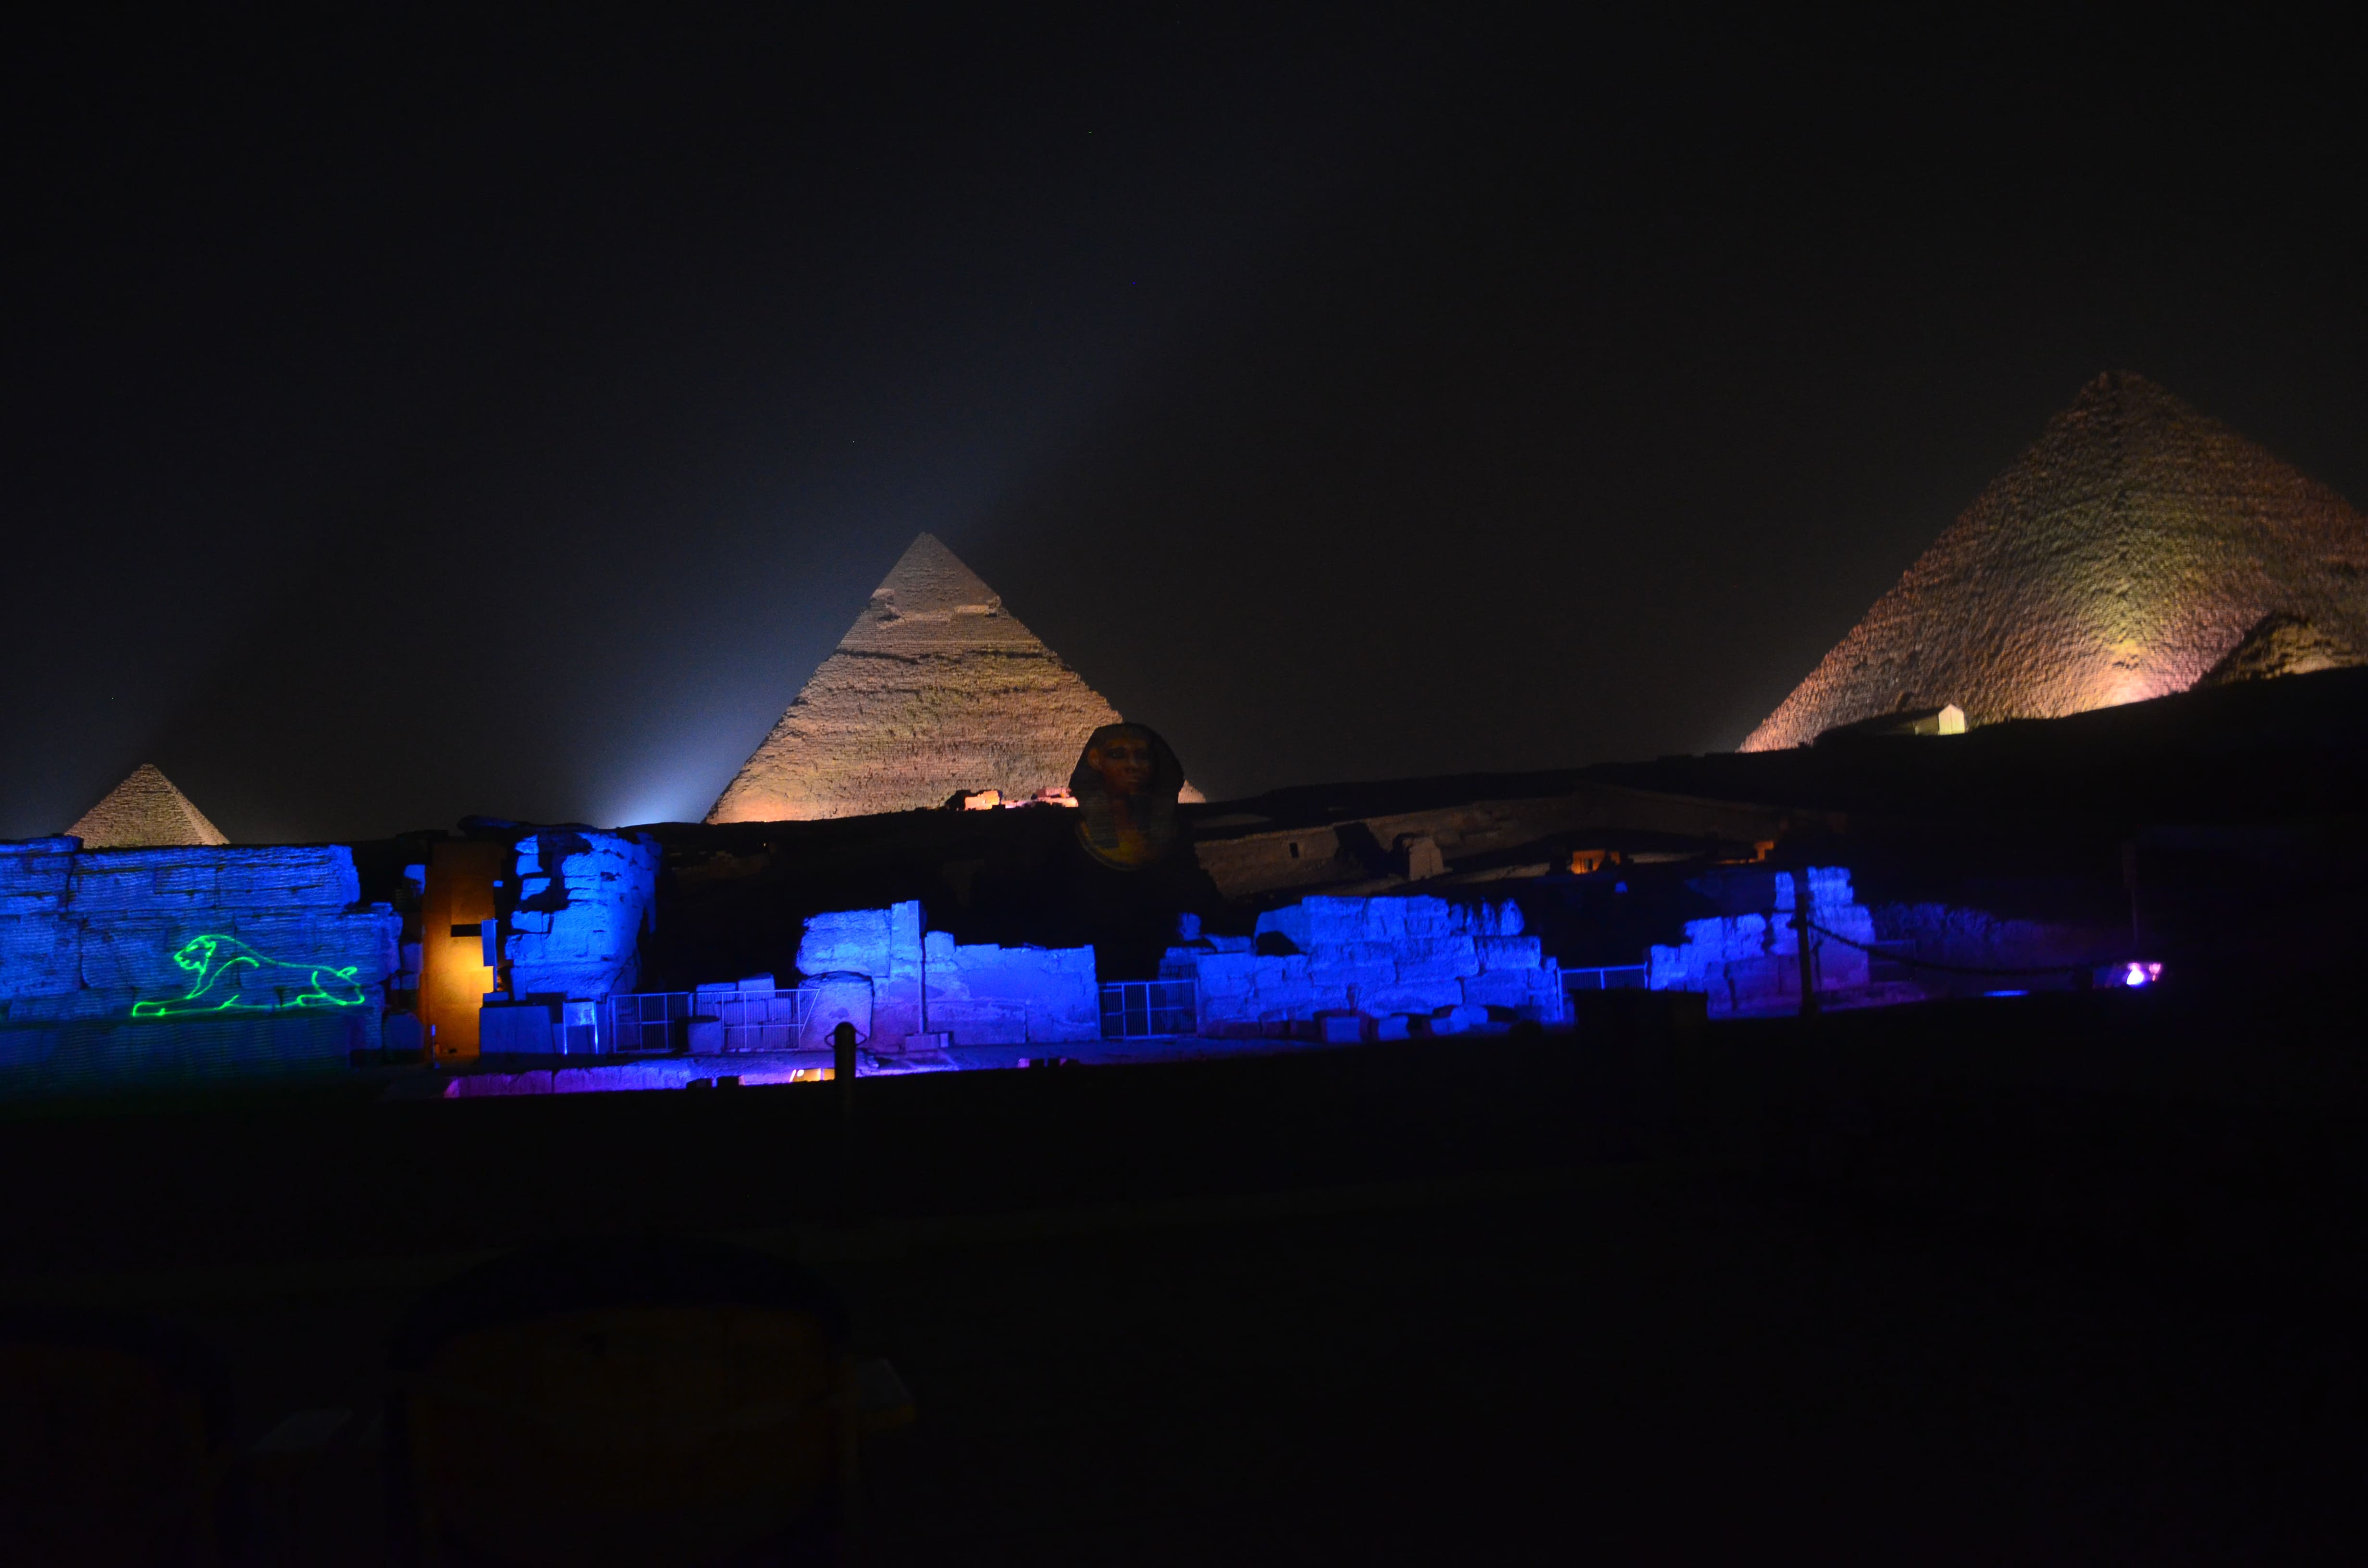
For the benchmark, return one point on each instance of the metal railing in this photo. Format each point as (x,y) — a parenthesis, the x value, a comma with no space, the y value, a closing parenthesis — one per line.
(653,1023)
(1612,977)
(1145,1009)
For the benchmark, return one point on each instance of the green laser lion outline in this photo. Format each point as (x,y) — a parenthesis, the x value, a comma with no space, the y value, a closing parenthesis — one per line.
(216,960)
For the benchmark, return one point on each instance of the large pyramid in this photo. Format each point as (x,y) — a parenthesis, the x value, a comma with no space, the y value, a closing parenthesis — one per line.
(935,690)
(2133,551)
(144,812)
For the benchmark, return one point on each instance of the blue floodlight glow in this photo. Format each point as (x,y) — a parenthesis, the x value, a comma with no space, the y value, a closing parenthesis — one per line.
(2137,974)
(2006,993)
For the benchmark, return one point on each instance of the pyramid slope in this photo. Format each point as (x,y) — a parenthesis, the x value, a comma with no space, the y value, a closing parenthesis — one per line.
(2280,645)
(2127,553)
(144,812)
(936,688)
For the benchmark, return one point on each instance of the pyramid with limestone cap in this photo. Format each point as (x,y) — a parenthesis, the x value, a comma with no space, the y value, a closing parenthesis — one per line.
(2128,553)
(937,688)
(144,812)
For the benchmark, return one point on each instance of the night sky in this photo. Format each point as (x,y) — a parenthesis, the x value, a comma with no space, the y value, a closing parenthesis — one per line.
(443,416)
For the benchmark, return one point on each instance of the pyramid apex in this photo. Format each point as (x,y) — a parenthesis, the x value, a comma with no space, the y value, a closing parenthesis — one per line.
(2125,556)
(146,811)
(930,578)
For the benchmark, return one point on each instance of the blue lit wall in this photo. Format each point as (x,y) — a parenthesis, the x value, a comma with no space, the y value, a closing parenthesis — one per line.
(149,968)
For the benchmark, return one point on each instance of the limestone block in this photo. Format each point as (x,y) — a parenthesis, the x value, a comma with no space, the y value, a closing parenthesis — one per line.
(1438,958)
(39,957)
(124,961)
(1315,922)
(101,891)
(1361,976)
(1288,970)
(849,941)
(1425,997)
(318,877)
(1228,974)
(1423,916)
(1507,952)
(1535,992)
(905,937)
(1490,919)
(973,1022)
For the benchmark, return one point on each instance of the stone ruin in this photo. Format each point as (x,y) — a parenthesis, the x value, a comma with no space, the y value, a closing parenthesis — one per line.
(880,968)
(1382,968)
(1751,962)
(2138,547)
(124,967)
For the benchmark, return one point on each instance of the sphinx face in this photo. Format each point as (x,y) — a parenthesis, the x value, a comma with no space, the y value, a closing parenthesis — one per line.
(1124,763)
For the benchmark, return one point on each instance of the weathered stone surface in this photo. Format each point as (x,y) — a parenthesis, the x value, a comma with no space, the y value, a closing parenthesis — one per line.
(936,689)
(1378,956)
(86,935)
(583,901)
(979,994)
(2280,645)
(2128,552)
(144,810)
(1748,963)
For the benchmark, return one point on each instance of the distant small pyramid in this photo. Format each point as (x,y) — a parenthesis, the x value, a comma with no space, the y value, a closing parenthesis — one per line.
(2280,645)
(144,812)
(935,690)
(2127,556)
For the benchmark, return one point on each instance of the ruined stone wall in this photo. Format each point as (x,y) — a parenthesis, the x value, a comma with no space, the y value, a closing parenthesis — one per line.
(583,901)
(978,993)
(1751,964)
(139,968)
(1424,962)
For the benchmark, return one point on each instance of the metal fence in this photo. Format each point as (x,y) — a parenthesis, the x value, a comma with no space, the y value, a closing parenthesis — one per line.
(652,1023)
(1142,1009)
(1615,977)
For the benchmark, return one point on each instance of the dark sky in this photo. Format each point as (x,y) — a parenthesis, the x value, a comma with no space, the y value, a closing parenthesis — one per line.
(446,414)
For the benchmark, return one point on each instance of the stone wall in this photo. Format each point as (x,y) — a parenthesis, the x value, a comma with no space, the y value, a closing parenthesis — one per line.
(133,967)
(1751,964)
(583,899)
(1405,964)
(976,993)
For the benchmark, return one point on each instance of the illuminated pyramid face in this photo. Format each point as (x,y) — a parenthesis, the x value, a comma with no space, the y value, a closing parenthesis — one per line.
(2139,547)
(144,812)
(936,689)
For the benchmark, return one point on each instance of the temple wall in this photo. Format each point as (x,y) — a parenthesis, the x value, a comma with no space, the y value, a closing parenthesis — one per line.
(133,967)
(976,993)
(583,901)
(1421,962)
(1750,963)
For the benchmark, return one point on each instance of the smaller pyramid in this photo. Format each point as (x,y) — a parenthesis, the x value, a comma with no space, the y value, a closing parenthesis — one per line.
(144,812)
(2280,645)
(935,690)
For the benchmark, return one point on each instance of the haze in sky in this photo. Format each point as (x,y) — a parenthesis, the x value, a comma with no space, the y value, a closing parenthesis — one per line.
(411,417)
